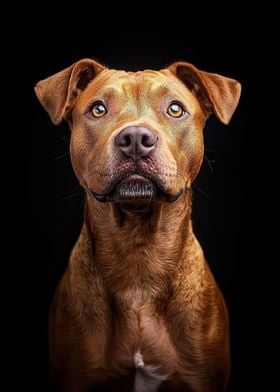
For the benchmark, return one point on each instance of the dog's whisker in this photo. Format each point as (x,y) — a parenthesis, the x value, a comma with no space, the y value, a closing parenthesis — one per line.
(209,163)
(201,191)
(78,186)
(82,203)
(70,196)
(64,139)
(61,156)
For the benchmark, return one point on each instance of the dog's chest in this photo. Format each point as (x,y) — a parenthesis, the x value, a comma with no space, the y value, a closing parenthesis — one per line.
(142,338)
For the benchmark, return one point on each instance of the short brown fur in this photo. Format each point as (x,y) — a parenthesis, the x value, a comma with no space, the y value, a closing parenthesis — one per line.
(137,280)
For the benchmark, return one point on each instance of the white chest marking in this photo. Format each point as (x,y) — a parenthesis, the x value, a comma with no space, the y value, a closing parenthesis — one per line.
(138,360)
(147,377)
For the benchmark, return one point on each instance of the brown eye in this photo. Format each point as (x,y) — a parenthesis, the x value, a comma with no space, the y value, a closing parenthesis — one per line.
(98,110)
(175,110)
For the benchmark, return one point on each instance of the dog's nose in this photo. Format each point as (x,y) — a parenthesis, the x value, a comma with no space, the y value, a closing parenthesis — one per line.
(136,142)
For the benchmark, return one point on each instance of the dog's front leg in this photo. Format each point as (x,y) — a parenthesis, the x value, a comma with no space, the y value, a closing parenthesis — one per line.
(198,326)
(79,324)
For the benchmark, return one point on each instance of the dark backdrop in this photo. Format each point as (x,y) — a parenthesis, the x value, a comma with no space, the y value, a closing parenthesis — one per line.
(56,200)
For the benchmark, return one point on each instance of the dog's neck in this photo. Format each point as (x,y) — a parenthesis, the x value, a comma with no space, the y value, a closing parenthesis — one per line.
(125,243)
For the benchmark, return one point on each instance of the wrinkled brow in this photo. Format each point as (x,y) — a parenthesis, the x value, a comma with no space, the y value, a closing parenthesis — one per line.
(147,87)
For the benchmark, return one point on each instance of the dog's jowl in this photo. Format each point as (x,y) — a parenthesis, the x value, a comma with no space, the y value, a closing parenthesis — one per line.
(137,308)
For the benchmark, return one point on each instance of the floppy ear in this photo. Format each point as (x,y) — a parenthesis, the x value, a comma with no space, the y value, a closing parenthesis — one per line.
(215,93)
(58,93)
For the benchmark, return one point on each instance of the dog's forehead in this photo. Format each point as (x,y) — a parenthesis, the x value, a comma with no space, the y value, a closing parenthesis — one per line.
(144,81)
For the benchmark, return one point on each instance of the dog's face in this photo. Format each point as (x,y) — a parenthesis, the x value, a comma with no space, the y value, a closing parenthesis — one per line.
(137,136)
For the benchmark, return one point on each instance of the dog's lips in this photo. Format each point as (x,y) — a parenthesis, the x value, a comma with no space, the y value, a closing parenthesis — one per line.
(136,188)
(135,179)
(132,183)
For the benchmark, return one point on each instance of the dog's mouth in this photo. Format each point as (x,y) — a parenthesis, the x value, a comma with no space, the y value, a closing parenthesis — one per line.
(135,188)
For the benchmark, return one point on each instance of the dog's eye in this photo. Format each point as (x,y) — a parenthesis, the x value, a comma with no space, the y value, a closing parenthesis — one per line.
(175,110)
(98,110)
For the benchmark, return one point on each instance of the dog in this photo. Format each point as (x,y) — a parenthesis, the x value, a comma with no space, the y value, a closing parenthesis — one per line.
(137,308)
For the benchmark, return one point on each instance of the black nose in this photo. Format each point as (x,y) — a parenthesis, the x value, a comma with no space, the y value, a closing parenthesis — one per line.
(136,142)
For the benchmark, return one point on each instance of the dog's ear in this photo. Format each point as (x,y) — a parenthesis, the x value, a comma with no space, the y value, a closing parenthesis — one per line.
(216,93)
(58,93)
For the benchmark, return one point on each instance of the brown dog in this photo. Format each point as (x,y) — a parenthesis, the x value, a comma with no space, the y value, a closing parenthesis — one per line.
(138,308)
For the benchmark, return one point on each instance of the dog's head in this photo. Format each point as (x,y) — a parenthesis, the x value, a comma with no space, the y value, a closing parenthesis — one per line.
(137,136)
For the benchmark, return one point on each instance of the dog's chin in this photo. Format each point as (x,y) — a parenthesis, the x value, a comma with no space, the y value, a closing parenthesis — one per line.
(136,189)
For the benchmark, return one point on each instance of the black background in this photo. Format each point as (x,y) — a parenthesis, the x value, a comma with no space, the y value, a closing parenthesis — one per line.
(56,201)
